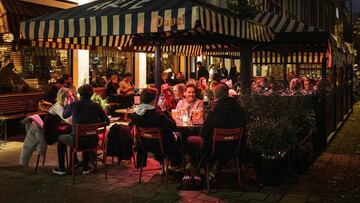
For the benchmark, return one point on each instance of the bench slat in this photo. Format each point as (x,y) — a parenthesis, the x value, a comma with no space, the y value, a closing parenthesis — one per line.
(14,105)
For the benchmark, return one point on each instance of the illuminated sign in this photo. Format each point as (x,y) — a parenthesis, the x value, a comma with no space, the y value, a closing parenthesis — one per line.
(161,21)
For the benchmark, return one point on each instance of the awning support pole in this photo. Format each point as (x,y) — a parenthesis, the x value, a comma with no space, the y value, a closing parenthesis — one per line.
(323,68)
(246,66)
(158,66)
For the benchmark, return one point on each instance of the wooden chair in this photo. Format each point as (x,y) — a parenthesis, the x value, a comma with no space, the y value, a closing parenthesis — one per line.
(153,134)
(87,130)
(226,136)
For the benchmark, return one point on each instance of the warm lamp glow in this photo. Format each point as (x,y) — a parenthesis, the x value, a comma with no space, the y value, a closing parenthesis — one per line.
(165,55)
(8,37)
(142,69)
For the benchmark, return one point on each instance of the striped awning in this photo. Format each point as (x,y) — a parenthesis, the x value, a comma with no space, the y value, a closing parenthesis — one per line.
(283,24)
(160,18)
(302,57)
(58,45)
(286,29)
(224,54)
(191,50)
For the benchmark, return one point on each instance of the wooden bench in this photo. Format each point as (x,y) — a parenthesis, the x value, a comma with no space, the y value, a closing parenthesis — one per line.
(17,106)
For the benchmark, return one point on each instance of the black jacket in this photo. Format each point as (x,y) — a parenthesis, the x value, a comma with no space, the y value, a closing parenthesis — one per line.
(111,89)
(154,118)
(202,72)
(120,142)
(227,113)
(85,111)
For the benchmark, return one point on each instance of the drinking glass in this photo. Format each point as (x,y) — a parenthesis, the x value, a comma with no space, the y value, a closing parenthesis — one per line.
(174,115)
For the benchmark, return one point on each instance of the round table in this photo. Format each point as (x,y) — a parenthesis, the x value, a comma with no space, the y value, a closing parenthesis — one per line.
(126,112)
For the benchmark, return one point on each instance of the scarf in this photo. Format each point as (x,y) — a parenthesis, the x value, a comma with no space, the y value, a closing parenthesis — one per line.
(142,108)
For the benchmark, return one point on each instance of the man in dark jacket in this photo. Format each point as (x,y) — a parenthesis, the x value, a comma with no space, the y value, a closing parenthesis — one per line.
(201,72)
(83,111)
(226,113)
(147,116)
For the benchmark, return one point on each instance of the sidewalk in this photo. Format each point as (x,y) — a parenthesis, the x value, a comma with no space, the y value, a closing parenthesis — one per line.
(334,177)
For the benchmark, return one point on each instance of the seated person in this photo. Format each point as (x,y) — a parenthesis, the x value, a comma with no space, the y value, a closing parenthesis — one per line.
(83,111)
(190,103)
(147,116)
(227,113)
(179,78)
(187,105)
(51,93)
(167,100)
(112,87)
(126,87)
(164,78)
(126,91)
(55,124)
(98,81)
(179,90)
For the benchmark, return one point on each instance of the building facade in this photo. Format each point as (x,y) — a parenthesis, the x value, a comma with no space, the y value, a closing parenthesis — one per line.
(36,66)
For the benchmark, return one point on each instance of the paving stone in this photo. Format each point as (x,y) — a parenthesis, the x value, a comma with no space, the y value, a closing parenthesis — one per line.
(165,198)
(124,191)
(171,189)
(255,195)
(294,198)
(185,195)
(143,195)
(13,174)
(274,197)
(86,186)
(257,201)
(206,197)
(146,187)
(314,199)
(226,200)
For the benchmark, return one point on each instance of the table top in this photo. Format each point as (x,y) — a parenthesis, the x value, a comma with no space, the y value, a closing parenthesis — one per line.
(181,125)
(125,111)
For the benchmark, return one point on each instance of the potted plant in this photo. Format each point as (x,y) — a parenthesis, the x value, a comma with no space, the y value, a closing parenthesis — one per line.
(271,141)
(277,124)
(102,102)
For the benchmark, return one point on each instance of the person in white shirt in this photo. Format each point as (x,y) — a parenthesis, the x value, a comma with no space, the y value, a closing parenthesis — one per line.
(54,123)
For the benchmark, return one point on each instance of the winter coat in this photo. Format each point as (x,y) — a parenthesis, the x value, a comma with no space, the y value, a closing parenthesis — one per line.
(150,118)
(34,140)
(120,142)
(54,127)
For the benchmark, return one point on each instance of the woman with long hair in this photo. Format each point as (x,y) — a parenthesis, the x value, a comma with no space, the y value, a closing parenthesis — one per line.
(55,124)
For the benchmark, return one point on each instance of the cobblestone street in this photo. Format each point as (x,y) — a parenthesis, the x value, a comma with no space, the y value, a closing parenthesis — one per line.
(333,177)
